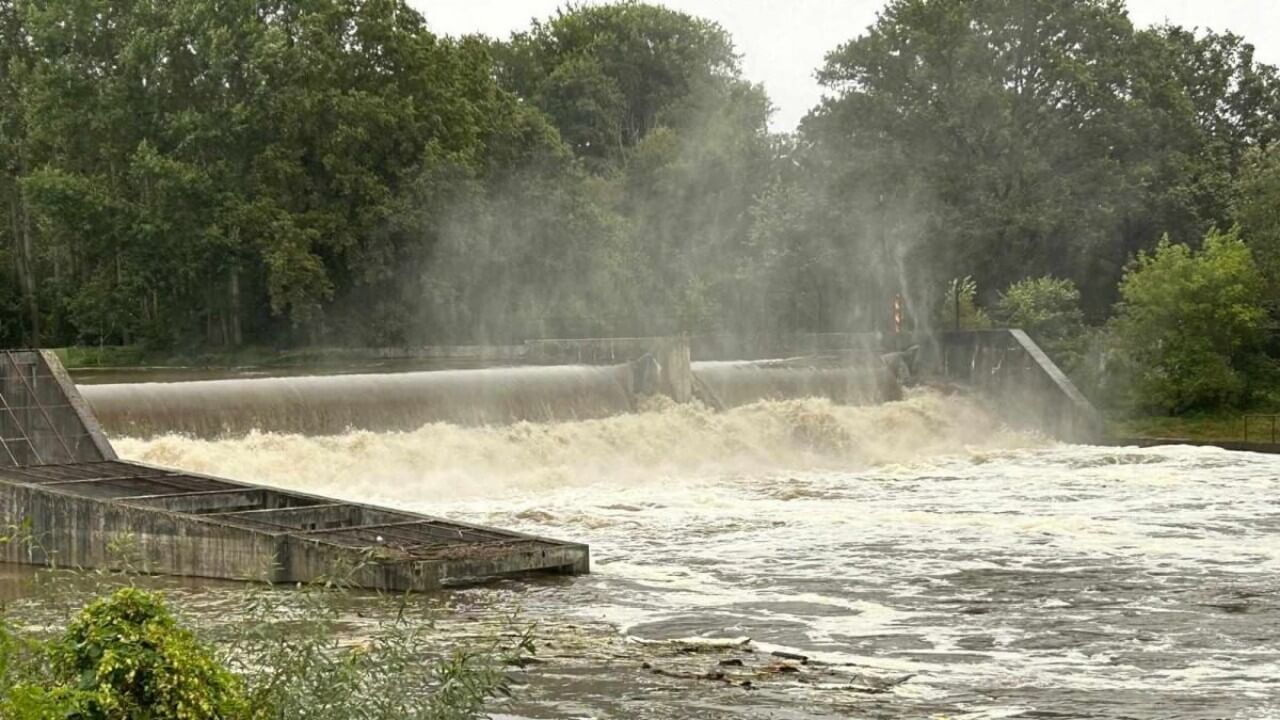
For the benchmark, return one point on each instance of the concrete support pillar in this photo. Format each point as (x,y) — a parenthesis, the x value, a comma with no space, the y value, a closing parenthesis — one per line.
(677,369)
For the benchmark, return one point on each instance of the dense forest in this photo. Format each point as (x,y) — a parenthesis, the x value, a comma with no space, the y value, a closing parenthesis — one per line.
(219,173)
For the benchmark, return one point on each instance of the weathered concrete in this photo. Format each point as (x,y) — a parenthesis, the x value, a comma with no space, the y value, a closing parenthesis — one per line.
(677,369)
(60,481)
(334,404)
(43,419)
(610,351)
(1026,387)
(193,525)
(848,380)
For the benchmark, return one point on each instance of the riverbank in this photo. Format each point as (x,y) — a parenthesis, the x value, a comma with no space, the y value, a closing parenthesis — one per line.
(1221,430)
(1224,427)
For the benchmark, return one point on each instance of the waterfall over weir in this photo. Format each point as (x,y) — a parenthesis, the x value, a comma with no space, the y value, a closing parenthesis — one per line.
(330,405)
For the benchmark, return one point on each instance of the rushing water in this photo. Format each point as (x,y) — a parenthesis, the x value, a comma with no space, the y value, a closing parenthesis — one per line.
(336,403)
(928,564)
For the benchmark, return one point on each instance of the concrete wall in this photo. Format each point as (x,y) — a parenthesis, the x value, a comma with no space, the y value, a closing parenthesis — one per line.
(71,531)
(1027,388)
(611,351)
(43,419)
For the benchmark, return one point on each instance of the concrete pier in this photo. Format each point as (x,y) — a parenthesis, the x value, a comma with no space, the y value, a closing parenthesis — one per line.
(1027,388)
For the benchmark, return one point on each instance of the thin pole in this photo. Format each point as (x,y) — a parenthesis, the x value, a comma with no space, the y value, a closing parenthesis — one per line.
(956,285)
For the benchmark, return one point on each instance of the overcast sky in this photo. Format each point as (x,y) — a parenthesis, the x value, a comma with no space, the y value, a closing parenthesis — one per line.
(783,41)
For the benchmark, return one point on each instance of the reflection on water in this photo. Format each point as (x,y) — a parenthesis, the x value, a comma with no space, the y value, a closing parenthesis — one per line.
(924,563)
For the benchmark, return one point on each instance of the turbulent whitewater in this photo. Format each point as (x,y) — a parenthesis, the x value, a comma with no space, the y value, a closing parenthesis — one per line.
(979,573)
(663,443)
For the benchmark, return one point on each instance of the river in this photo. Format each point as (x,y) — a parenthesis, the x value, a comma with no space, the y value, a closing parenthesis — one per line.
(926,563)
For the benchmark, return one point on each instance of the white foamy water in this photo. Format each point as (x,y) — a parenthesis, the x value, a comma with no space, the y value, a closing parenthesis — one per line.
(1009,577)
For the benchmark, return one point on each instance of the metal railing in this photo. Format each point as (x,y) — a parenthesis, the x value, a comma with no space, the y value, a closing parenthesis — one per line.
(1269,426)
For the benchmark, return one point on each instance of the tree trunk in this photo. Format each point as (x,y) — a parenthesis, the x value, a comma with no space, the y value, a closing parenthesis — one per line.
(126,337)
(237,336)
(24,263)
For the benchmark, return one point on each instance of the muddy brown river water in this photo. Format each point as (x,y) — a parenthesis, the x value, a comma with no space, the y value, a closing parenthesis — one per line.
(923,562)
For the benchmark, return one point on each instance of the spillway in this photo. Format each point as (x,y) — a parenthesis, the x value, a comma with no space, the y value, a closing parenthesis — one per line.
(738,383)
(330,405)
(327,405)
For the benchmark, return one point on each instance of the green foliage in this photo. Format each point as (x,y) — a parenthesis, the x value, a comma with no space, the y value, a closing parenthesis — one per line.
(1045,307)
(607,75)
(1039,137)
(191,175)
(289,645)
(1222,426)
(1257,212)
(651,100)
(32,702)
(1190,325)
(1048,309)
(284,655)
(132,660)
(961,292)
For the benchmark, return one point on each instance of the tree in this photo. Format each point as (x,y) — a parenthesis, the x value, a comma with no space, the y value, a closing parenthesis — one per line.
(16,235)
(652,103)
(609,74)
(204,170)
(1048,309)
(1042,137)
(195,173)
(1190,325)
(1257,211)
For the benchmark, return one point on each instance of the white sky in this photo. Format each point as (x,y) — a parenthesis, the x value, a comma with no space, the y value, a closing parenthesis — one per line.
(784,41)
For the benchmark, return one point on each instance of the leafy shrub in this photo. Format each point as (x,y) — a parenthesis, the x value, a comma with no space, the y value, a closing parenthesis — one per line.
(287,656)
(134,661)
(1190,326)
(1048,309)
(33,702)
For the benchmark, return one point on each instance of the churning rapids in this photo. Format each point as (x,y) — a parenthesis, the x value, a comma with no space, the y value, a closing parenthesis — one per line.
(928,563)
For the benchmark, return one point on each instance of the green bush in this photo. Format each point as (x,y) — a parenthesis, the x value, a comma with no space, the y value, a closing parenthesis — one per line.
(33,702)
(128,654)
(1048,309)
(283,657)
(1190,326)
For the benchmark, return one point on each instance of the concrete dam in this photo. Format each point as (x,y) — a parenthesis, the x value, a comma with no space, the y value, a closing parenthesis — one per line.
(326,405)
(60,474)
